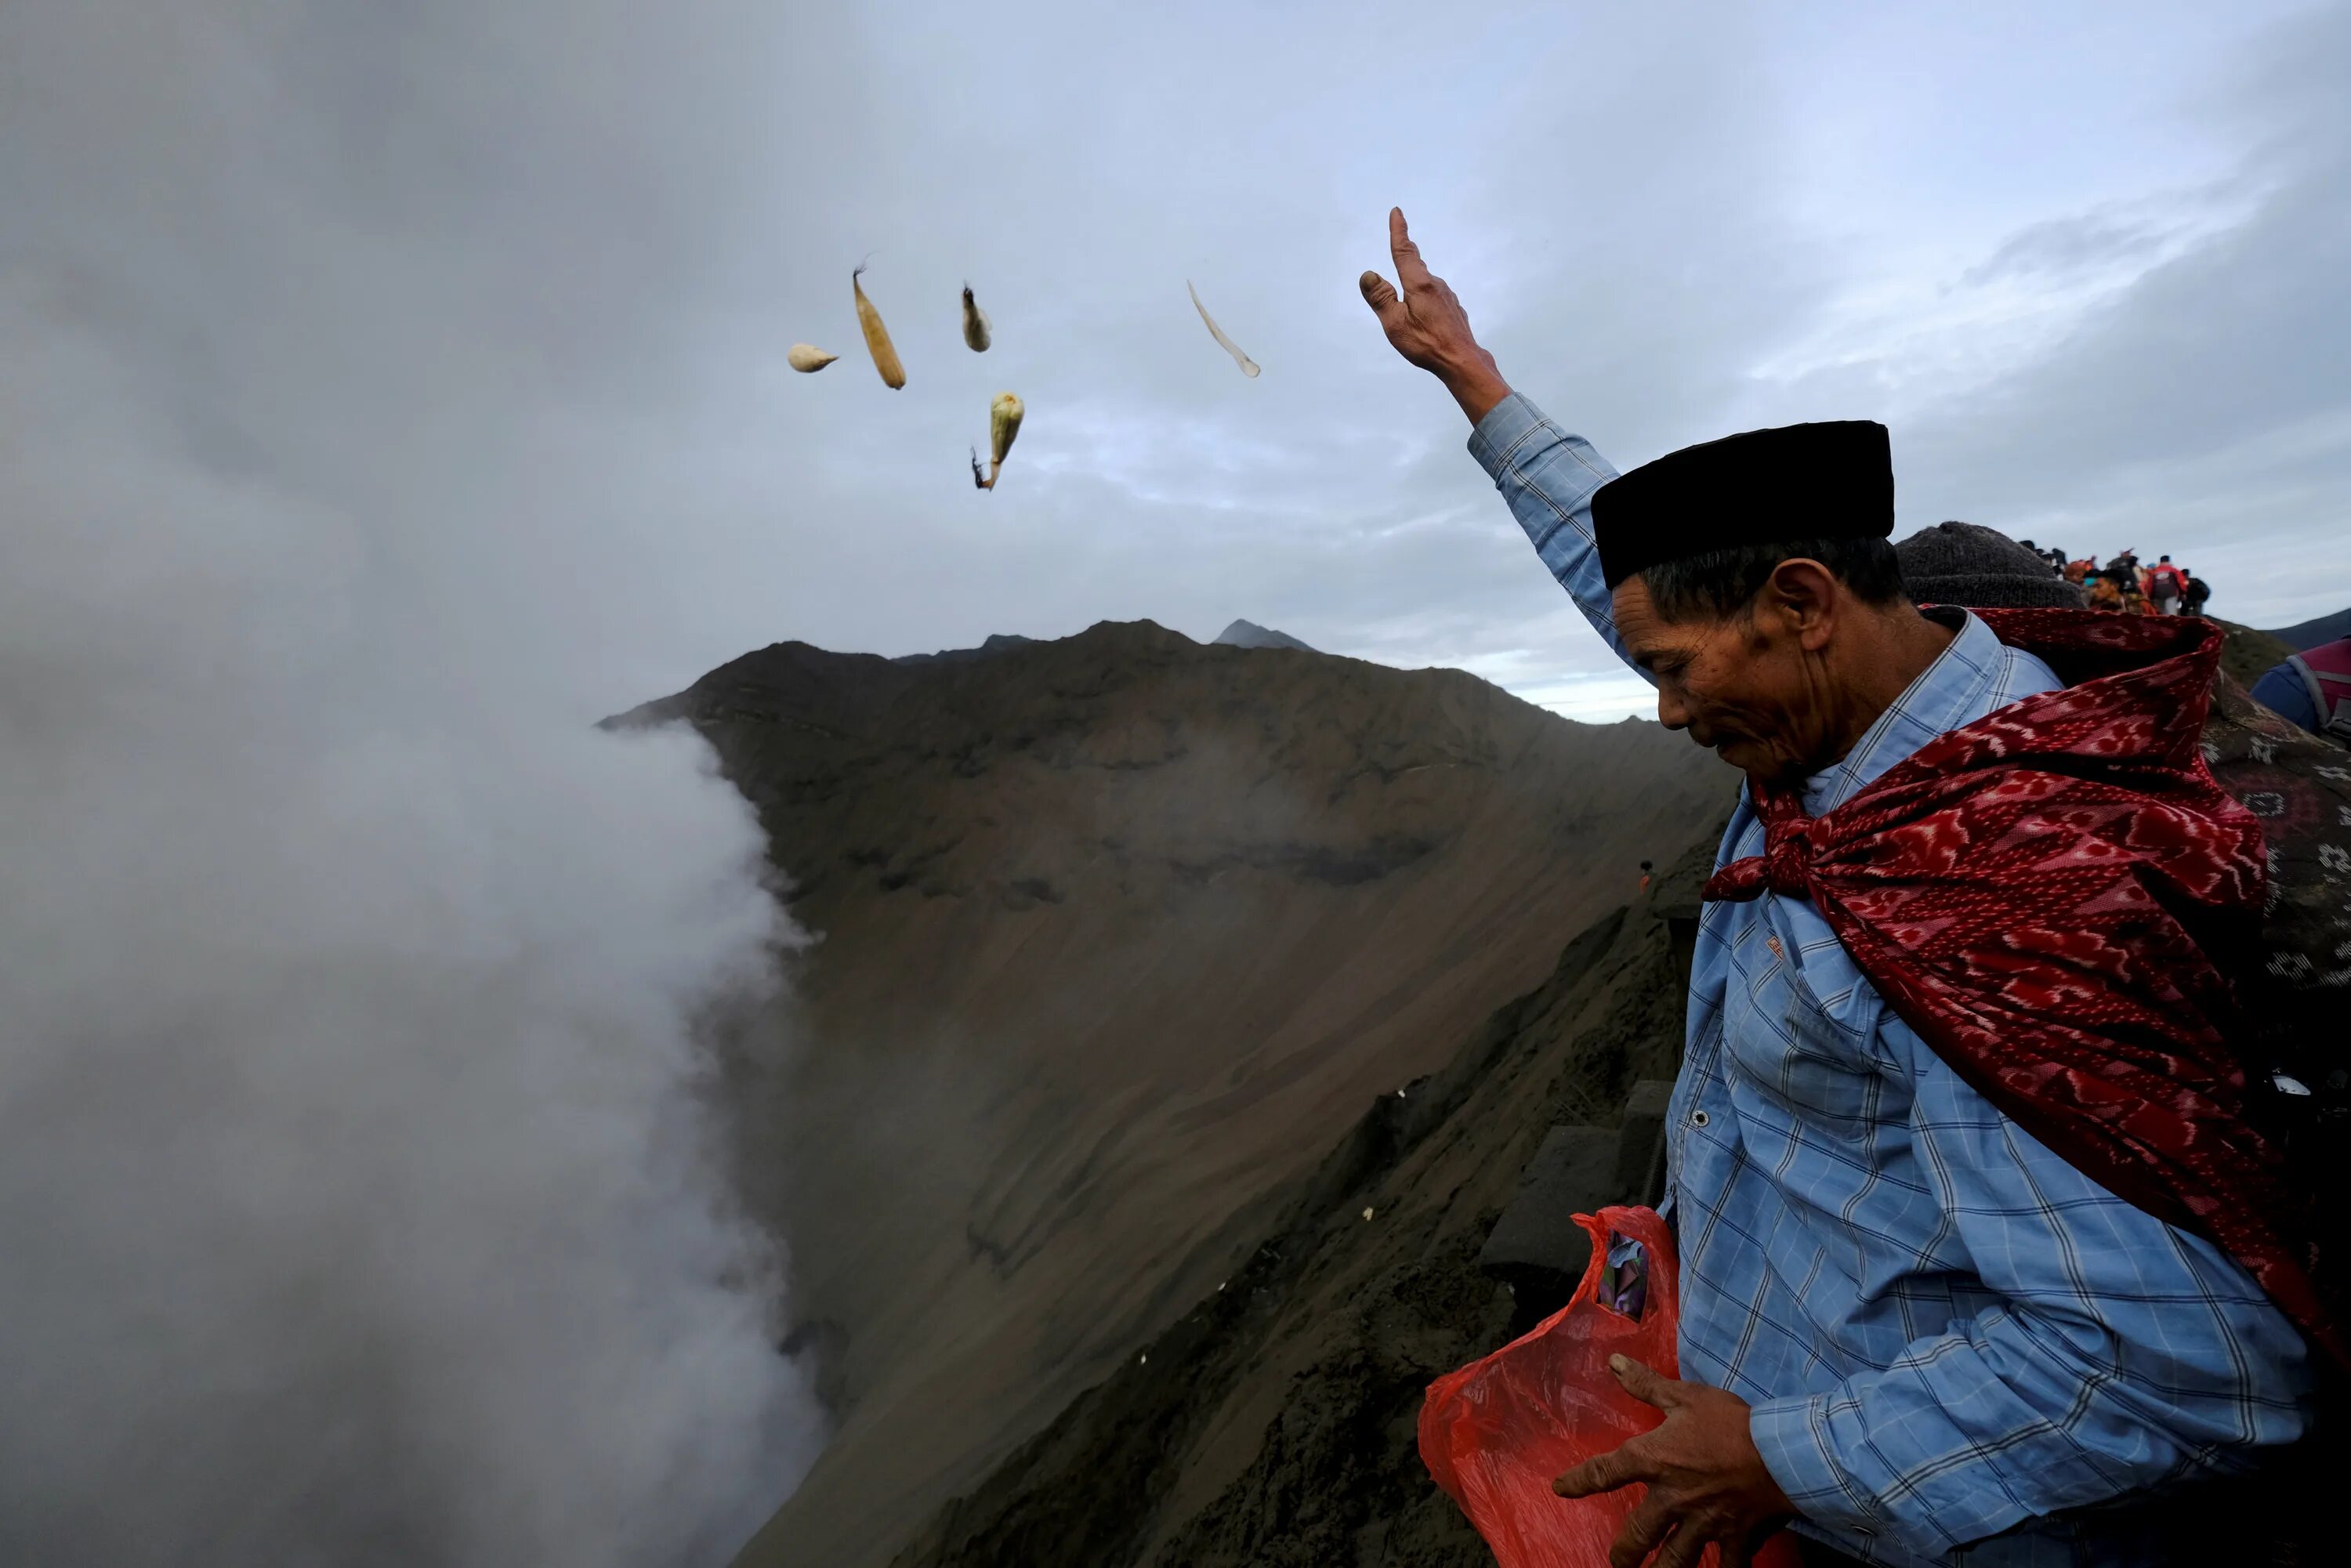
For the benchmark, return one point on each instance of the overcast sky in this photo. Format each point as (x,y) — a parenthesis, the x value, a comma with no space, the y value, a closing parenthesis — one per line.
(2090,270)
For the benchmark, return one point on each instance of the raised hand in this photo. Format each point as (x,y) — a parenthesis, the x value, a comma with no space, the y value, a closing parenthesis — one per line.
(1707,1484)
(1425,324)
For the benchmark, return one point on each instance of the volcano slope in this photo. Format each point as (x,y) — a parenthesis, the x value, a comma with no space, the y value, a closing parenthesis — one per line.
(1116,937)
(1273,1425)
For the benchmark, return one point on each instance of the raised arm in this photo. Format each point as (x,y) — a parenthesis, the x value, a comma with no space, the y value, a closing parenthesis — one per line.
(1425,324)
(1546,475)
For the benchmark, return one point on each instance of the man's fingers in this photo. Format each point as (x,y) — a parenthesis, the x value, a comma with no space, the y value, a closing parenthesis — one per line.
(1605,1472)
(1646,1525)
(1647,1386)
(1377,293)
(1688,1544)
(1411,271)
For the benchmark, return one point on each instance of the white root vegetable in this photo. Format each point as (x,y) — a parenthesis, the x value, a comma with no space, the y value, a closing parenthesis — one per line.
(877,336)
(807,357)
(974,323)
(1248,365)
(1004,414)
(1003,423)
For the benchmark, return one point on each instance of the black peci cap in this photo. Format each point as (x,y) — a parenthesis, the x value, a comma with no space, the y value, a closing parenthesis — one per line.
(1831,480)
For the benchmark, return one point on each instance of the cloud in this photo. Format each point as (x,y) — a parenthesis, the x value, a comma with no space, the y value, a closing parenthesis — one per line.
(1668,224)
(358,1187)
(2201,408)
(2067,247)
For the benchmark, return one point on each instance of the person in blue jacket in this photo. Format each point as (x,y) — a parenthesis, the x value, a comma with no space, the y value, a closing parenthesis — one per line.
(2312,688)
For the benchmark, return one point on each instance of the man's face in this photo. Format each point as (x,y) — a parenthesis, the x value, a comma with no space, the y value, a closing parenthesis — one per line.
(1746,685)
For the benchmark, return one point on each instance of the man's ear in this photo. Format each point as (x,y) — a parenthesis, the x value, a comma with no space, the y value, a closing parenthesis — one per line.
(1803,593)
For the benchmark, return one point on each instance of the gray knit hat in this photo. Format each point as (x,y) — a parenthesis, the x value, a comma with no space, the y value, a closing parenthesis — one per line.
(1960,563)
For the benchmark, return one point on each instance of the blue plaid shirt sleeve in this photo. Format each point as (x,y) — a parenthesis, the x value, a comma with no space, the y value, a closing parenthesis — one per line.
(1548,476)
(2113,1353)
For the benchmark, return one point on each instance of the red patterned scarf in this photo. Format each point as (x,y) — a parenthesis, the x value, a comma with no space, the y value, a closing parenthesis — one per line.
(2033,892)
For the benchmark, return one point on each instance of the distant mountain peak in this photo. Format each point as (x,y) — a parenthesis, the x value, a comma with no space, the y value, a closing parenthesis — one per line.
(2310,633)
(1250,634)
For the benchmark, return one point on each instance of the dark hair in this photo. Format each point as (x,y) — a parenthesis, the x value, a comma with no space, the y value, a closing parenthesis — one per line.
(1724,582)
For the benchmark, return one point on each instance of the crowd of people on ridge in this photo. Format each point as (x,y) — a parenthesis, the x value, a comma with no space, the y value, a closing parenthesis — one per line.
(2125,584)
(1966,564)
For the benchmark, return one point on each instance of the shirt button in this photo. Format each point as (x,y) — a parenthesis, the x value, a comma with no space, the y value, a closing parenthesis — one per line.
(1697,1118)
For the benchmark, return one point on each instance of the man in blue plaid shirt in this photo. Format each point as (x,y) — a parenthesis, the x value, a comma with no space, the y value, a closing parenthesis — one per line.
(1906,1322)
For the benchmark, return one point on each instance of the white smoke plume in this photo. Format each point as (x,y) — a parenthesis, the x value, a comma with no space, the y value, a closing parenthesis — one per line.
(357,1202)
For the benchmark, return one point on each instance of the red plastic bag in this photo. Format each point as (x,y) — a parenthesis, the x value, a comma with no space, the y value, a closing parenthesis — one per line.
(1496,1433)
